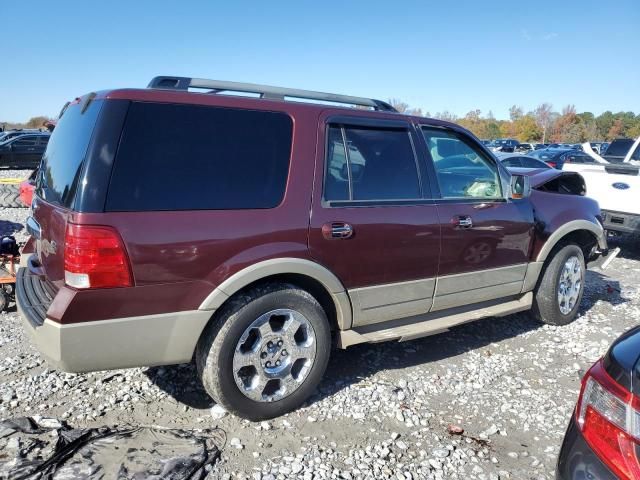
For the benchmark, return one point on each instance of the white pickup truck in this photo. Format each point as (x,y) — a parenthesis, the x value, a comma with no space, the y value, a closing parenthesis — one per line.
(616,187)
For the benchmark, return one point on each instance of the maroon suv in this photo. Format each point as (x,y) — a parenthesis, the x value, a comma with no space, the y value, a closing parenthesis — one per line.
(251,234)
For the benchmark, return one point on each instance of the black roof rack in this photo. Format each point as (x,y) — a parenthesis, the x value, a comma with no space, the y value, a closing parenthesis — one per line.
(265,91)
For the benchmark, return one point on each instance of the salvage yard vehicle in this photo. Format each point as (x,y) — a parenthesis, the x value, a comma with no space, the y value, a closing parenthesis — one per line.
(616,187)
(23,151)
(294,226)
(603,438)
(618,150)
(511,160)
(26,188)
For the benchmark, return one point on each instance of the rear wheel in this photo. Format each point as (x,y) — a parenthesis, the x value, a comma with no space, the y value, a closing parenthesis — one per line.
(561,287)
(266,351)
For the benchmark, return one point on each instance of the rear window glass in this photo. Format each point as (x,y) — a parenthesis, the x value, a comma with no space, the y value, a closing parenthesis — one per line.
(619,148)
(62,161)
(186,157)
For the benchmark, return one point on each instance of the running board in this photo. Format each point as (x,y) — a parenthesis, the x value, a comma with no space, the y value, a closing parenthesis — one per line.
(432,323)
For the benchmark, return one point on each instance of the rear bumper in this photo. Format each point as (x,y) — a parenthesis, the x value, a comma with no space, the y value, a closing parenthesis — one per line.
(107,344)
(577,461)
(620,222)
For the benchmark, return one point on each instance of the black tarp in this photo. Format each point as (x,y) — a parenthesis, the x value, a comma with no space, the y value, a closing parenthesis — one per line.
(41,449)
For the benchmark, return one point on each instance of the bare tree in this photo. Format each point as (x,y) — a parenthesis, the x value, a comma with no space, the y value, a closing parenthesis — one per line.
(542,113)
(399,105)
(446,115)
(515,113)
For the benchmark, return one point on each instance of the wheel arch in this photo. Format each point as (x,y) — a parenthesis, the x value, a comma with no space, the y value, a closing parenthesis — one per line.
(582,232)
(306,274)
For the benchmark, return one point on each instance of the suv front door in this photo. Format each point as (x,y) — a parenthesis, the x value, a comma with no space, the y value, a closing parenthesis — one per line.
(486,238)
(373,223)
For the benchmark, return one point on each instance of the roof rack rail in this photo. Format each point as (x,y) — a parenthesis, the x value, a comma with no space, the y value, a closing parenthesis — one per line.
(265,91)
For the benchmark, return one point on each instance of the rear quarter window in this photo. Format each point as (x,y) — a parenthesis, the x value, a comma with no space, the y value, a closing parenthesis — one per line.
(62,161)
(186,157)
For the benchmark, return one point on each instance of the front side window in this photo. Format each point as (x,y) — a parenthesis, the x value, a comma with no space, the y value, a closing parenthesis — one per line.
(370,164)
(462,169)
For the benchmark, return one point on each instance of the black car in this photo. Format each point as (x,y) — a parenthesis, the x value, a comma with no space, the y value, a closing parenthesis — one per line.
(578,156)
(504,145)
(23,151)
(9,134)
(603,438)
(557,157)
(521,161)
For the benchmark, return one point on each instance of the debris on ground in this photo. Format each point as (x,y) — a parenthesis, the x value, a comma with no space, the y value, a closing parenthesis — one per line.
(38,448)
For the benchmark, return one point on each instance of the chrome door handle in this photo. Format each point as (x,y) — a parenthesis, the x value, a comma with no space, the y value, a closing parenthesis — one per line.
(337,230)
(462,221)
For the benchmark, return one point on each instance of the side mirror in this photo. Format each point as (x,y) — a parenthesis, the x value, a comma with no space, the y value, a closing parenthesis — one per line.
(520,187)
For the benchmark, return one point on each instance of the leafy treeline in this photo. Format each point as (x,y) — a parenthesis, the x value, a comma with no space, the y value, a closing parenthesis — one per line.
(542,124)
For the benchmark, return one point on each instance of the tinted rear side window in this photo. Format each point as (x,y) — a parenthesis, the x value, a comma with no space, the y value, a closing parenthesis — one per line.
(186,157)
(62,161)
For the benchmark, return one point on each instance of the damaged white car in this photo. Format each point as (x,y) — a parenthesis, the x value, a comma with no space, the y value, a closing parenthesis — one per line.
(616,187)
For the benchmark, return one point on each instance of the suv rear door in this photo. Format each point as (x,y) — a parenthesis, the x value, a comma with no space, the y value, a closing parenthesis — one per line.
(486,238)
(372,222)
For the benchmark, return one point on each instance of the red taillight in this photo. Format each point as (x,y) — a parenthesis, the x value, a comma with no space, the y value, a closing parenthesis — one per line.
(609,422)
(552,164)
(95,257)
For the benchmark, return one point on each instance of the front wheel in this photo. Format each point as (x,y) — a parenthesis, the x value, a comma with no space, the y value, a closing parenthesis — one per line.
(560,290)
(266,352)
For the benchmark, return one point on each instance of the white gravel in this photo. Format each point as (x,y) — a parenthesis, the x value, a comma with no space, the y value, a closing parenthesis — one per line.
(393,410)
(9,173)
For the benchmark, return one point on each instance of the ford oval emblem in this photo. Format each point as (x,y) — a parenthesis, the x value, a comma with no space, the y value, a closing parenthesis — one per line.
(621,185)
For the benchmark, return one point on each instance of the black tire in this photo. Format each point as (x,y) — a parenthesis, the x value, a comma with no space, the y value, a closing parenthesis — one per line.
(215,350)
(546,306)
(10,196)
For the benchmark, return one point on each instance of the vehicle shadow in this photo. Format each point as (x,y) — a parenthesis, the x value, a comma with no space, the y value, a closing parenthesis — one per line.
(355,364)
(351,366)
(181,382)
(8,227)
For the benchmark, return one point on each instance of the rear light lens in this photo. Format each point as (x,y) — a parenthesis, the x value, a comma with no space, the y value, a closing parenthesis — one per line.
(610,423)
(552,164)
(95,257)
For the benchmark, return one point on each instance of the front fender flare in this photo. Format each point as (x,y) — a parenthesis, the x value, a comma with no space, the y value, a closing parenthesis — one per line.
(566,229)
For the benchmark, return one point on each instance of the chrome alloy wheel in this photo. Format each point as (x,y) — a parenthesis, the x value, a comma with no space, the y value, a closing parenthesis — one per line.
(274,355)
(569,285)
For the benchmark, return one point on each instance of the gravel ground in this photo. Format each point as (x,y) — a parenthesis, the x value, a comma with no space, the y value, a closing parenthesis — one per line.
(487,400)
(9,173)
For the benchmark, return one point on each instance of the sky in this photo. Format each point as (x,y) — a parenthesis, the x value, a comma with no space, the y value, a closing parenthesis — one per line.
(439,56)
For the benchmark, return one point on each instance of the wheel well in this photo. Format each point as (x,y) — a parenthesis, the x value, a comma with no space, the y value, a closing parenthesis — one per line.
(311,285)
(585,239)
